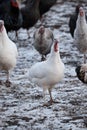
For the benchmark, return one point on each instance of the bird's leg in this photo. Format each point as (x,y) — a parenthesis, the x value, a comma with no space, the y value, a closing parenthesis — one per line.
(28,34)
(8,83)
(84,58)
(16,33)
(51,99)
(43,58)
(44,95)
(42,20)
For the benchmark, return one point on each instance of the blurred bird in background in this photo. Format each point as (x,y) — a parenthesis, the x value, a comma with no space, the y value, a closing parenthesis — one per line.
(72,20)
(11,14)
(43,40)
(81,72)
(45,6)
(30,13)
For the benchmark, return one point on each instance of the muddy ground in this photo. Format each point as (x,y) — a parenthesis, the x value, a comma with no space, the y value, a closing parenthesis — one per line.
(21,105)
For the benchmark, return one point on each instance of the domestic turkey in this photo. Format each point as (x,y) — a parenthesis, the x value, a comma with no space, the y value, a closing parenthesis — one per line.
(43,40)
(11,15)
(8,52)
(48,73)
(81,72)
(80,34)
(30,13)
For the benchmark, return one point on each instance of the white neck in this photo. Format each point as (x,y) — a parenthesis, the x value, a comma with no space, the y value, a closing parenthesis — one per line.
(81,19)
(54,56)
(3,35)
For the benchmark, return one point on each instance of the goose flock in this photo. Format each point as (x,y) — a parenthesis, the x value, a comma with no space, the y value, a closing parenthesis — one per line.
(50,70)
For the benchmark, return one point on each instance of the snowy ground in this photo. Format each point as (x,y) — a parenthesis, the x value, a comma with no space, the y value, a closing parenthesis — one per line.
(21,105)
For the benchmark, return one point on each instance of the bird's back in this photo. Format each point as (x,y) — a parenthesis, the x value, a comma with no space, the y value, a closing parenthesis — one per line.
(45,5)
(11,15)
(30,13)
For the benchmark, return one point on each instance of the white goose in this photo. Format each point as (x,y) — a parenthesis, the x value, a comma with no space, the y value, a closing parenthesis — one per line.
(8,52)
(80,34)
(43,40)
(48,73)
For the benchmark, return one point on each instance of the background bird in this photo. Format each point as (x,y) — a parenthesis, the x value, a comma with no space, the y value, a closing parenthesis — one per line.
(48,73)
(43,40)
(10,13)
(30,13)
(72,20)
(80,34)
(8,52)
(81,72)
(45,5)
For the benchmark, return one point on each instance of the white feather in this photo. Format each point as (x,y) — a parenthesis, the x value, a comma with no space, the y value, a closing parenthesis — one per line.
(8,51)
(48,73)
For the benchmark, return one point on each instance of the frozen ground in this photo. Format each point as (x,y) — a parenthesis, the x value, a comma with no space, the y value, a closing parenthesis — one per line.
(21,105)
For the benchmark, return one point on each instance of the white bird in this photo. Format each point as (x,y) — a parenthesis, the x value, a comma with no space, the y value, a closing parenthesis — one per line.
(81,72)
(8,52)
(43,40)
(48,73)
(80,34)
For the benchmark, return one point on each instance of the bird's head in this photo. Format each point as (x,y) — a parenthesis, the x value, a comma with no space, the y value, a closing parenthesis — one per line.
(14,3)
(55,46)
(81,12)
(1,25)
(41,30)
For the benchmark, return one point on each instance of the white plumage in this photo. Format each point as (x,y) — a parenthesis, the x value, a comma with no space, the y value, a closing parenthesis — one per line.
(48,73)
(43,40)
(80,34)
(8,51)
